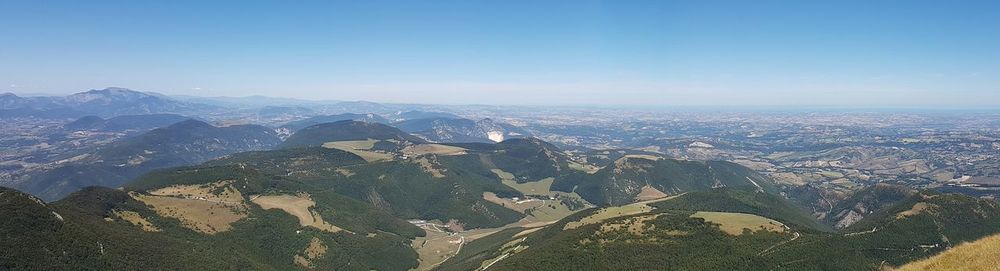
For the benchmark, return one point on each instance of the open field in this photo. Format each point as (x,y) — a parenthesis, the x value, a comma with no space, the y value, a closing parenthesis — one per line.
(206,192)
(361,148)
(422,149)
(197,214)
(436,247)
(644,156)
(519,206)
(588,168)
(734,223)
(983,254)
(616,211)
(649,193)
(547,209)
(298,206)
(609,213)
(540,187)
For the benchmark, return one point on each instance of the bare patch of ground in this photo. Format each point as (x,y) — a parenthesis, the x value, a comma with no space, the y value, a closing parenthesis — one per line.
(429,166)
(616,211)
(201,215)
(299,206)
(221,191)
(345,172)
(649,193)
(315,250)
(917,208)
(136,219)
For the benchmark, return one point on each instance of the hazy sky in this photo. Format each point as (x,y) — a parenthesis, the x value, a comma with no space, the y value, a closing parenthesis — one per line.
(847,53)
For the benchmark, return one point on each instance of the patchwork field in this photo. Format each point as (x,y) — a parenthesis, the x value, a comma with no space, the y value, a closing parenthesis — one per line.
(298,206)
(361,148)
(734,223)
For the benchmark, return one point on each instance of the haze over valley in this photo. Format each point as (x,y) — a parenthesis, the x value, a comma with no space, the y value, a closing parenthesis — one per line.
(515,135)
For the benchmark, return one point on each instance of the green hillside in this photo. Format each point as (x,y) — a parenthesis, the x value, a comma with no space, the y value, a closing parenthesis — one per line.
(317,135)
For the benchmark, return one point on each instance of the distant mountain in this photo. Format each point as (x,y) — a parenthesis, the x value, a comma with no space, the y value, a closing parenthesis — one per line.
(299,124)
(183,143)
(11,101)
(108,102)
(317,135)
(124,123)
(121,101)
(249,101)
(456,130)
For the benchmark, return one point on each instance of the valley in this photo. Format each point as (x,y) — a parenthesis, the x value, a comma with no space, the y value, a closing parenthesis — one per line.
(329,187)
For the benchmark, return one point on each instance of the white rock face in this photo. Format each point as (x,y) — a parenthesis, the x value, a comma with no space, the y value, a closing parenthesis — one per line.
(495,136)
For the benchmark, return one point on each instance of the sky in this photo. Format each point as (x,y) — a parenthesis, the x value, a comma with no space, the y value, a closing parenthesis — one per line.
(652,53)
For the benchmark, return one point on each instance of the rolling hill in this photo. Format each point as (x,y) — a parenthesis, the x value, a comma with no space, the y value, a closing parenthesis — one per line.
(458,130)
(184,143)
(299,124)
(347,130)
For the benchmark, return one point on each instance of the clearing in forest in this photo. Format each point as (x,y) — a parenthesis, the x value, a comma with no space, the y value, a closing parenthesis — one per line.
(649,193)
(616,211)
(361,148)
(136,219)
(551,206)
(734,223)
(197,214)
(436,247)
(439,149)
(299,206)
(315,250)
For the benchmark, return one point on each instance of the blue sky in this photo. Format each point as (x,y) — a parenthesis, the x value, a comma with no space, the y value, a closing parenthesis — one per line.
(751,53)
